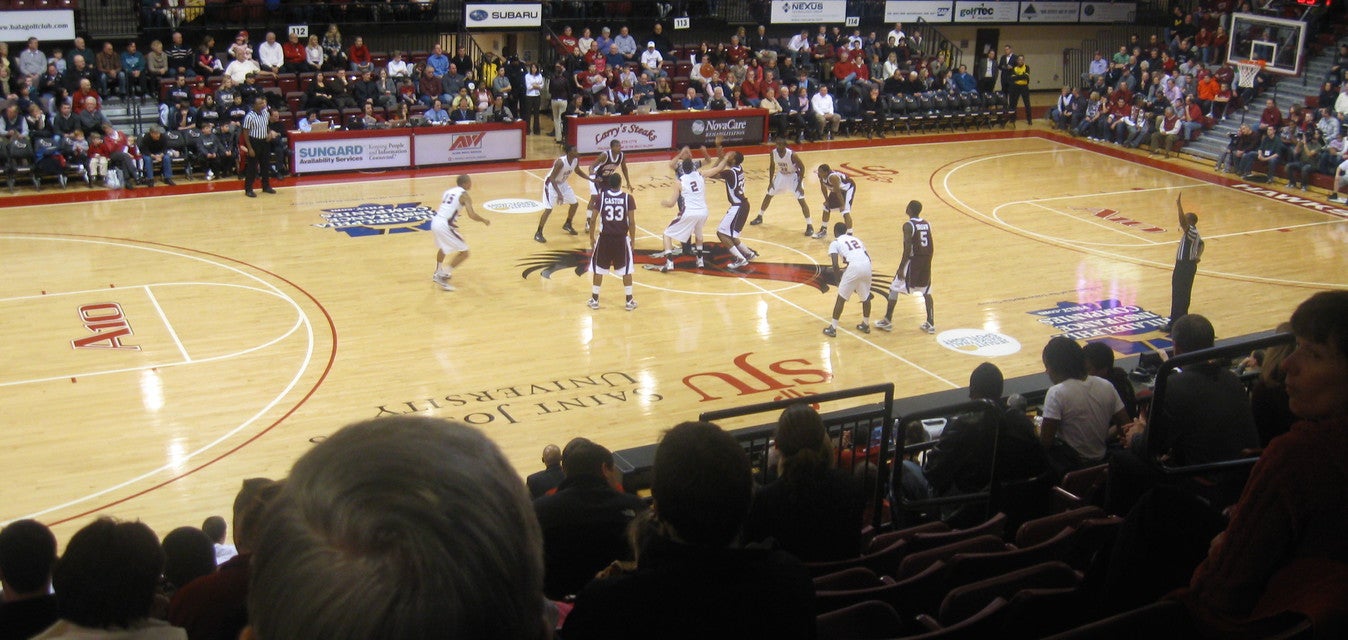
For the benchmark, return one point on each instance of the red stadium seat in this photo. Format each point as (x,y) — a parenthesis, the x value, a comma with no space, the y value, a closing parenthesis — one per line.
(288,82)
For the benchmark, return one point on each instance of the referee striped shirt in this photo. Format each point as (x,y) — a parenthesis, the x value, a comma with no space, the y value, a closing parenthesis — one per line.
(257,125)
(1190,245)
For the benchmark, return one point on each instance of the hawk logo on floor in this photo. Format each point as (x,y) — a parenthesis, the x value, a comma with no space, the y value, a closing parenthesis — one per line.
(378,219)
(715,257)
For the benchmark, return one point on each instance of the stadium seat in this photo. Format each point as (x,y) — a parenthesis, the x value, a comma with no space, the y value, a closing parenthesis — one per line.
(870,619)
(1041,529)
(980,625)
(853,578)
(966,567)
(913,595)
(916,563)
(1078,488)
(885,539)
(882,562)
(995,526)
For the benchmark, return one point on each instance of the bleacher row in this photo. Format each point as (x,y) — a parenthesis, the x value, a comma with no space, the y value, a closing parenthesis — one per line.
(981,581)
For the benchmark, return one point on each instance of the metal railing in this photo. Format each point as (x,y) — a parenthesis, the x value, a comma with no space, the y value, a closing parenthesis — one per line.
(932,43)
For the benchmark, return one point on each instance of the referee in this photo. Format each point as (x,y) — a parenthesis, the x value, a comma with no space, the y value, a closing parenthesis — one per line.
(257,125)
(1186,264)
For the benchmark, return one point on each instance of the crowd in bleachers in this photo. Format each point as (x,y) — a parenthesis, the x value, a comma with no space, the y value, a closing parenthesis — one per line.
(813,85)
(416,527)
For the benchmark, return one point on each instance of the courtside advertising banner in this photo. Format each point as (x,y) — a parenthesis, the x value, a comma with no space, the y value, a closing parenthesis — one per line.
(986,11)
(353,154)
(733,129)
(495,16)
(912,10)
(808,11)
(1049,11)
(19,26)
(1108,11)
(596,134)
(468,146)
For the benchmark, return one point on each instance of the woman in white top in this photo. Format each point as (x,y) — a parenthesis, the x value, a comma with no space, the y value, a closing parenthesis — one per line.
(533,95)
(397,67)
(313,55)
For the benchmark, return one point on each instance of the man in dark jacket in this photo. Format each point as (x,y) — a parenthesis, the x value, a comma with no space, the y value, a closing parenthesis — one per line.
(585,522)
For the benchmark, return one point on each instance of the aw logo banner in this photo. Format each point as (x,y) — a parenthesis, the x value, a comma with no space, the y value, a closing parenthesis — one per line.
(1106,321)
(378,219)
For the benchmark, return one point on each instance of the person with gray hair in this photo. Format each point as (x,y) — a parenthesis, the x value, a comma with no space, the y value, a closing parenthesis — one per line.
(407,527)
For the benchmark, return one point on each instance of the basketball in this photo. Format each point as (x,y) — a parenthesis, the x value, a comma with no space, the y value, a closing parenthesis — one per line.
(834,200)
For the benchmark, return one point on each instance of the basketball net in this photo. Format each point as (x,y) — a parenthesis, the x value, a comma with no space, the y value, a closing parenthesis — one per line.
(1247,71)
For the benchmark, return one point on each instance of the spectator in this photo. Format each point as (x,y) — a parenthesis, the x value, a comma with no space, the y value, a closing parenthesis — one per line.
(826,119)
(271,55)
(1305,158)
(651,59)
(692,101)
(105,584)
(31,62)
(239,46)
(971,449)
(109,66)
(314,55)
(180,56)
(293,55)
(543,482)
(213,607)
(460,61)
(214,527)
(156,67)
(1270,153)
(1080,411)
(359,56)
(585,522)
(154,150)
(1100,363)
(27,553)
(397,67)
(188,555)
(1167,133)
(402,528)
(1207,418)
(812,510)
(1283,549)
(702,489)
(334,53)
(241,67)
(627,45)
(206,64)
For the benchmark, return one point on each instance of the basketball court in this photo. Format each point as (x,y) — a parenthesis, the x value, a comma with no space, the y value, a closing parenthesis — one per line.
(161,349)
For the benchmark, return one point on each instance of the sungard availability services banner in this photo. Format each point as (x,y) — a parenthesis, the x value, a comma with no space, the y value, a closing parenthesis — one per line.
(596,134)
(353,154)
(808,11)
(993,11)
(467,146)
(479,16)
(911,10)
(733,129)
(1049,11)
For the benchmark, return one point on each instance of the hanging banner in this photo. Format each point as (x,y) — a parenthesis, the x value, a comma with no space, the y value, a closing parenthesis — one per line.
(1108,11)
(496,16)
(808,11)
(19,26)
(1049,11)
(986,11)
(912,10)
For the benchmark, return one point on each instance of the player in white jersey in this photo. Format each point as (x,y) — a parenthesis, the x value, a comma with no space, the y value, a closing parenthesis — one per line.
(856,279)
(691,198)
(786,174)
(838,191)
(445,230)
(608,162)
(557,191)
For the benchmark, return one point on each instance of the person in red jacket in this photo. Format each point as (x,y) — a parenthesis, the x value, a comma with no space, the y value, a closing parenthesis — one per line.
(359,56)
(294,54)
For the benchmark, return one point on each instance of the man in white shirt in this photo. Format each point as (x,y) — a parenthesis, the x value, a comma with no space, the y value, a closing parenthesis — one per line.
(799,47)
(651,61)
(270,55)
(397,67)
(896,35)
(826,118)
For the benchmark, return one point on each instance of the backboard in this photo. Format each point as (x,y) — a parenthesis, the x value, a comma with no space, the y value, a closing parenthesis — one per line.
(1276,41)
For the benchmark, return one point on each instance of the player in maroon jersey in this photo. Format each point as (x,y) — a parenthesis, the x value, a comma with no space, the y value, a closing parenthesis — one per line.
(738,213)
(914,275)
(616,226)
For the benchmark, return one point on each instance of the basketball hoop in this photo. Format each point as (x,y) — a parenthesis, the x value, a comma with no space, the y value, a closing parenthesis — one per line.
(1247,71)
